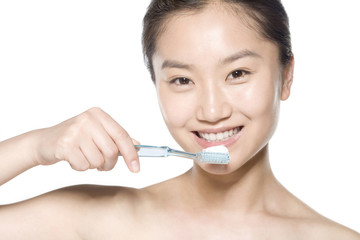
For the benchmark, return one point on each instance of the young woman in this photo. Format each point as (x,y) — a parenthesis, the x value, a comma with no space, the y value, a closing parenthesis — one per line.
(220,69)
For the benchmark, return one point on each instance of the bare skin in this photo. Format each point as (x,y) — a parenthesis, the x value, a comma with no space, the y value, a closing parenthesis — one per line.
(170,210)
(202,88)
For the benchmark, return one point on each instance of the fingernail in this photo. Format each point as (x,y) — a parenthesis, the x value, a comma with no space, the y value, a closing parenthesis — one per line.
(135,166)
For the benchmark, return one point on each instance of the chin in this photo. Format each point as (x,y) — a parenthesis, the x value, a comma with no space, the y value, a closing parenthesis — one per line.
(220,169)
(216,169)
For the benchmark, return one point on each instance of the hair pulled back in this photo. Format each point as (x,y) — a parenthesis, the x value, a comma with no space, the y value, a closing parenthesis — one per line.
(271,22)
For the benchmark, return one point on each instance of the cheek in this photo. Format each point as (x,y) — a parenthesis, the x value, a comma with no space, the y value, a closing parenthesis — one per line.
(261,105)
(176,109)
(261,99)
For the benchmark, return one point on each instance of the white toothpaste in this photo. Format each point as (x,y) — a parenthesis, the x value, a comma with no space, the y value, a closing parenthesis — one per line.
(219,149)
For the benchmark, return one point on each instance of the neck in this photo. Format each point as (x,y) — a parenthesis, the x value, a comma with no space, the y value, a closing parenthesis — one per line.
(243,190)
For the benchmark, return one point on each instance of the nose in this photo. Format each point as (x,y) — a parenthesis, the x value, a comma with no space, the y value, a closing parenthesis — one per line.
(213,104)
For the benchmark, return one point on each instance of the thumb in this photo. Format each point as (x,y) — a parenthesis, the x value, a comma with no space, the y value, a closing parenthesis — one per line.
(135,142)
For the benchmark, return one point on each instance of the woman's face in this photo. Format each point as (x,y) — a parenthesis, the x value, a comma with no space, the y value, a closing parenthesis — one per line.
(218,83)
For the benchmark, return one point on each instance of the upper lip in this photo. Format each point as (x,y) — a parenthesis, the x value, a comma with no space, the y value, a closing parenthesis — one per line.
(216,130)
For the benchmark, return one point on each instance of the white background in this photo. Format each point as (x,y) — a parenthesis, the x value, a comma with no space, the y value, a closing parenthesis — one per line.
(59,58)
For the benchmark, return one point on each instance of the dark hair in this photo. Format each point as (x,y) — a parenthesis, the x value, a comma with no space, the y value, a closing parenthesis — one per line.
(270,17)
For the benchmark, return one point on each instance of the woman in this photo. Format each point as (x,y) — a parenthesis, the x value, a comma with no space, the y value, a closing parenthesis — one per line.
(220,69)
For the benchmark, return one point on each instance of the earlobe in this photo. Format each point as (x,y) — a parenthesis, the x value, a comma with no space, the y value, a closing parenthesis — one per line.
(288,76)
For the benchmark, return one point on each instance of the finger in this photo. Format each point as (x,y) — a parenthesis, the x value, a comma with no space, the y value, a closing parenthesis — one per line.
(123,142)
(109,165)
(127,149)
(110,153)
(92,153)
(78,161)
(135,142)
(108,148)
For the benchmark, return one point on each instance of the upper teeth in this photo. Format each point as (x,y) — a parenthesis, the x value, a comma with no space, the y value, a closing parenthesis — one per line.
(221,136)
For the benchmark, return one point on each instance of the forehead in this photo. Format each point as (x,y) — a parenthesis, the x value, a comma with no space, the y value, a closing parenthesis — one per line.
(211,32)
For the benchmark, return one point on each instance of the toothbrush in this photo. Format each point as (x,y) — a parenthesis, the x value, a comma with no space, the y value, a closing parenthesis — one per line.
(164,151)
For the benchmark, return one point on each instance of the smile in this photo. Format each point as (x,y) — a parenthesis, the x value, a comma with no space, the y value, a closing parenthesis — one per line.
(219,136)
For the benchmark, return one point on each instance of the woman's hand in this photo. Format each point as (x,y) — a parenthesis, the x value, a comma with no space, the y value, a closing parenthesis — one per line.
(91,140)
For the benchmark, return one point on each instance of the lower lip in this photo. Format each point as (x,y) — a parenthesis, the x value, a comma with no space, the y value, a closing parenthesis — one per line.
(205,144)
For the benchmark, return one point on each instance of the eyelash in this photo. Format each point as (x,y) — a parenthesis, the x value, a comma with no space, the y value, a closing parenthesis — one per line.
(180,81)
(242,72)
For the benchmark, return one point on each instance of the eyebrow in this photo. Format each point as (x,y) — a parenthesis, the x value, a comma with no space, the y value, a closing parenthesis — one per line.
(239,55)
(227,60)
(175,64)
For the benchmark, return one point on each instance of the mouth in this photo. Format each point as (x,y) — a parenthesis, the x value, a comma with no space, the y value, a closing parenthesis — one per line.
(210,138)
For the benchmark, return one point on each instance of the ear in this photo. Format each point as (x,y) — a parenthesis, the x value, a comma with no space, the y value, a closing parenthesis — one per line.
(288,76)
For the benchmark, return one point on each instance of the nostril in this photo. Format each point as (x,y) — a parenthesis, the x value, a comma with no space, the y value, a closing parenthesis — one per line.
(214,112)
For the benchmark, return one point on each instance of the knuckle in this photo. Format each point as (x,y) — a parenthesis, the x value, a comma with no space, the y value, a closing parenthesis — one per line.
(121,134)
(109,165)
(111,152)
(79,166)
(79,125)
(95,110)
(98,162)
(79,163)
(86,119)
(89,115)
(82,118)
(83,166)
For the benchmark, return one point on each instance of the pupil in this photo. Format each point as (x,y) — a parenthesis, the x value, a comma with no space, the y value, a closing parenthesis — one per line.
(236,74)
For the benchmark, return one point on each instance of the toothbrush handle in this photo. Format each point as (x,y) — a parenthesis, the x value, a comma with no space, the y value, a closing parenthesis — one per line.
(162,151)
(178,153)
(151,151)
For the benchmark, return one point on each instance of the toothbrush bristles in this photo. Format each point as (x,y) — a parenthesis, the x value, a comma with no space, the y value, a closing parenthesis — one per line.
(215,157)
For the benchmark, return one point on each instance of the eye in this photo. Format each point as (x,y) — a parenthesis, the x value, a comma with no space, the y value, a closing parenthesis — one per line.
(237,74)
(181,81)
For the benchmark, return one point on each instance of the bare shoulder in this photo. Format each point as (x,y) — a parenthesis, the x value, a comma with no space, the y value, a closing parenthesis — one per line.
(105,211)
(328,229)
(302,221)
(320,226)
(69,213)
(316,226)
